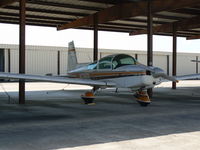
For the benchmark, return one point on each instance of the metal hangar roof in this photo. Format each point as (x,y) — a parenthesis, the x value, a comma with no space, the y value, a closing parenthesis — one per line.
(114,15)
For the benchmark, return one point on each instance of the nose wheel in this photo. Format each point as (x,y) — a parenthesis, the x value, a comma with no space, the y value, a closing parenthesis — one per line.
(143,104)
(142,98)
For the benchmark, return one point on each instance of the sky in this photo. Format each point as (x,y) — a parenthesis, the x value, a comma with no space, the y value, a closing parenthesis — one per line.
(47,36)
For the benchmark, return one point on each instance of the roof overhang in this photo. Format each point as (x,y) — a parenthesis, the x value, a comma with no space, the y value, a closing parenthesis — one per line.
(121,15)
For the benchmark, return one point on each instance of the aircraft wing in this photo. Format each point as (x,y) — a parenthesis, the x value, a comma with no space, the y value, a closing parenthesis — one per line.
(56,79)
(187,77)
(177,78)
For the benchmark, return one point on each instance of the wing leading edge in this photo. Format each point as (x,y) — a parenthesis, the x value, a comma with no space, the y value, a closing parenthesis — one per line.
(183,77)
(187,77)
(56,79)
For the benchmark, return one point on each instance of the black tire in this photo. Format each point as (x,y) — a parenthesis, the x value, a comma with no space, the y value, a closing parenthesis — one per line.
(88,100)
(143,104)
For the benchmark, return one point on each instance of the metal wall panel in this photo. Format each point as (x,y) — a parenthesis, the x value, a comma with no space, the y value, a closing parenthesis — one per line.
(184,64)
(170,65)
(43,59)
(198,66)
(160,61)
(63,62)
(6,59)
(142,58)
(41,62)
(103,54)
(14,63)
(84,55)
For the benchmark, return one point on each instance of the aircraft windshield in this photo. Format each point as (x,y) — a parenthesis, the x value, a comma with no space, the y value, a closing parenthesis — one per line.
(113,62)
(122,59)
(92,66)
(105,63)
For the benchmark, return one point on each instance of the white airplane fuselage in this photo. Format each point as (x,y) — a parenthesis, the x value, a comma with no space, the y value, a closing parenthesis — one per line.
(127,76)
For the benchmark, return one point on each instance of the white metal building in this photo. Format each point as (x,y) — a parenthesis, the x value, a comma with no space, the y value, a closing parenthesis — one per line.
(41,60)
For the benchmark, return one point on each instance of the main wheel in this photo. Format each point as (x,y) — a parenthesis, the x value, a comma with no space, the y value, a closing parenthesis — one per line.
(143,104)
(88,100)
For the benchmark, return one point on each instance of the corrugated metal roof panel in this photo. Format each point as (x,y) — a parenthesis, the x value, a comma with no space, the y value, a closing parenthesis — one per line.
(57,12)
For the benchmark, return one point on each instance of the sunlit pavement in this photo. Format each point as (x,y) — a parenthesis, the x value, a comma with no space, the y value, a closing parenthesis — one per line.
(54,117)
(183,141)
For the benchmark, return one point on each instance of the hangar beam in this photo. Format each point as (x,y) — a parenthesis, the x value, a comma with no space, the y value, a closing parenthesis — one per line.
(126,11)
(181,26)
(4,3)
(193,37)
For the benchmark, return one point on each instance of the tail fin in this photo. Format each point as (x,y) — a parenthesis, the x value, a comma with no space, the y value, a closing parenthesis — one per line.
(72,58)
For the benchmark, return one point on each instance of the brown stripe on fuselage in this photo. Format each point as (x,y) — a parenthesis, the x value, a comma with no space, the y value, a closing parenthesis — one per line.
(104,75)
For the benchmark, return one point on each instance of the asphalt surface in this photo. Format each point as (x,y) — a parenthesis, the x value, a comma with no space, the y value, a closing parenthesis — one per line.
(53,118)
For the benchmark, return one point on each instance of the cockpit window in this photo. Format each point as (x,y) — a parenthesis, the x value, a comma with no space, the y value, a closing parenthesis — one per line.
(92,66)
(121,60)
(112,62)
(105,63)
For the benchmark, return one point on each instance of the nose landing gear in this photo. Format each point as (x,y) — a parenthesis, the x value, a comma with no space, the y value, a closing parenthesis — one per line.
(142,98)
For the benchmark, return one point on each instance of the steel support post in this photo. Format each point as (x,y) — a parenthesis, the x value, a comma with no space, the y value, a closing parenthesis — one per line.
(58,63)
(149,41)
(9,60)
(167,64)
(174,61)
(197,64)
(22,50)
(95,51)
(136,56)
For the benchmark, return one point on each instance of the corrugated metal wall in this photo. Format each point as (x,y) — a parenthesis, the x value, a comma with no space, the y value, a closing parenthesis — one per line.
(43,60)
(40,60)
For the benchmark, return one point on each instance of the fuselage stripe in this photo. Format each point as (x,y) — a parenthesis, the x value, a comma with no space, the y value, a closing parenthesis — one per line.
(105,75)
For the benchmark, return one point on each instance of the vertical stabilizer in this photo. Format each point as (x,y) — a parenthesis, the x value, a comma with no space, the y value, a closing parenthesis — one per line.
(72,59)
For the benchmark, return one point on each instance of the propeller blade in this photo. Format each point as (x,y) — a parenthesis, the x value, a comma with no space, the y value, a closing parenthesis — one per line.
(165,76)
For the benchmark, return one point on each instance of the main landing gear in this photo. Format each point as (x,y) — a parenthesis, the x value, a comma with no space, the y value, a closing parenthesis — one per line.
(89,97)
(142,98)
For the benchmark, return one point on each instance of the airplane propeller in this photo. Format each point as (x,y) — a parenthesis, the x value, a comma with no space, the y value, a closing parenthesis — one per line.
(157,72)
(164,76)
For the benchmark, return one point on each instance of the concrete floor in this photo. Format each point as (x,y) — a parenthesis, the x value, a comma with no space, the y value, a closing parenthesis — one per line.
(59,120)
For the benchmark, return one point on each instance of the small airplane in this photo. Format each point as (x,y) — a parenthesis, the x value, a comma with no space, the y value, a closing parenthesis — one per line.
(113,71)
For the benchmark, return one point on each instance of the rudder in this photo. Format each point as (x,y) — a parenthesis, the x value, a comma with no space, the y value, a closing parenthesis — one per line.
(72,58)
